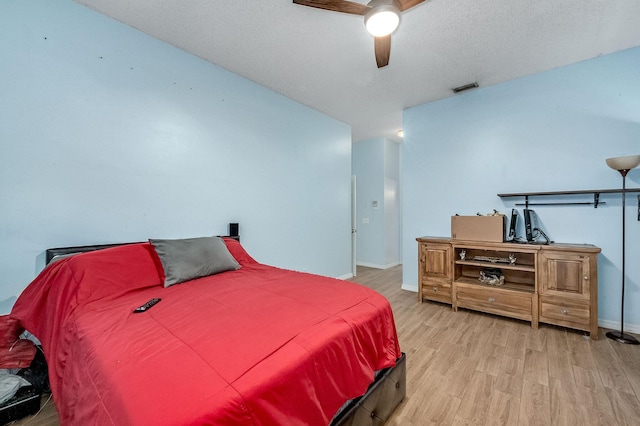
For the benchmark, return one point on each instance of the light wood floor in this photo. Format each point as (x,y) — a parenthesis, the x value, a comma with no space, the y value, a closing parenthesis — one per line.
(469,368)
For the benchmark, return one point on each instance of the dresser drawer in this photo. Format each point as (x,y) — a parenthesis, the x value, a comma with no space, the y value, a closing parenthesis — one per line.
(437,291)
(568,314)
(502,302)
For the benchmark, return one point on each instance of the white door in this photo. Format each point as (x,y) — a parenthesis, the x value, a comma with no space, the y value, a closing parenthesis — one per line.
(354,221)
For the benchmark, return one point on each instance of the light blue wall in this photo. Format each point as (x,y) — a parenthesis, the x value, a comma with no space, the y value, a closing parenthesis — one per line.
(368,167)
(392,202)
(108,135)
(375,163)
(547,132)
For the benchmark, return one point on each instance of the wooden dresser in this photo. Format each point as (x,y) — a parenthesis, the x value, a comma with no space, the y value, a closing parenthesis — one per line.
(554,284)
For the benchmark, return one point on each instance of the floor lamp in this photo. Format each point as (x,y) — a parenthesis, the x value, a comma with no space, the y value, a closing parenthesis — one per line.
(623,165)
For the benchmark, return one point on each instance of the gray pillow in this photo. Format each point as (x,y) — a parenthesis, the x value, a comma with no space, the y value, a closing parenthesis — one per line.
(191,258)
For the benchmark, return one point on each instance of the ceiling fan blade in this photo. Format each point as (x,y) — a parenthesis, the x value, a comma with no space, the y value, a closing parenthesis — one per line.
(383,50)
(336,6)
(408,4)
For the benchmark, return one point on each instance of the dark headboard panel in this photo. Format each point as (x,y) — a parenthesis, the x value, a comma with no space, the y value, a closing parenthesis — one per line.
(62,251)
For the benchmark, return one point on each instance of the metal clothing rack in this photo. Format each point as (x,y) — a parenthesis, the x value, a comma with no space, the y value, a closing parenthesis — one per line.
(595,192)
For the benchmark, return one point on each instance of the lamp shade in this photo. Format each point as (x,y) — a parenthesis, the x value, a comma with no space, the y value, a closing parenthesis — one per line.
(383,18)
(624,163)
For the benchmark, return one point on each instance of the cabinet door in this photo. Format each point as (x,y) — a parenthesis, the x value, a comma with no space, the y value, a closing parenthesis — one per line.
(435,261)
(565,274)
(434,275)
(569,290)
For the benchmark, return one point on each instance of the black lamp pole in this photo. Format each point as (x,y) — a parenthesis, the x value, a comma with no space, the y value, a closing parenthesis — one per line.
(621,336)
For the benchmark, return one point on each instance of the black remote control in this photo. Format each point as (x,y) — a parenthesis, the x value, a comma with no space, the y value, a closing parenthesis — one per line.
(146,306)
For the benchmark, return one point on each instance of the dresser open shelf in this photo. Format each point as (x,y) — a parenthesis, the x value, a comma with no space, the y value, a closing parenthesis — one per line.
(485,264)
(554,283)
(506,286)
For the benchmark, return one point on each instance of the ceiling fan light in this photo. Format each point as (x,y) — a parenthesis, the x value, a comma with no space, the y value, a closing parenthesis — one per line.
(382,20)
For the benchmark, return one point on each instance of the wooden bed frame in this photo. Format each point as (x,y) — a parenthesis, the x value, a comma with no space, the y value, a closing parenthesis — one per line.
(373,408)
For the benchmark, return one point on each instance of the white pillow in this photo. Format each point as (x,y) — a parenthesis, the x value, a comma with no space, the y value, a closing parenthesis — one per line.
(9,385)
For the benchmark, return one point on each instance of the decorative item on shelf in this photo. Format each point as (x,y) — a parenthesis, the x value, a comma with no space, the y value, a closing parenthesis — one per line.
(512,259)
(491,259)
(491,276)
(623,165)
(463,254)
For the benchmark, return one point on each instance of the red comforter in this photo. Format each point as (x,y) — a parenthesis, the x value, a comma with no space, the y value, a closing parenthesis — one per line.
(256,346)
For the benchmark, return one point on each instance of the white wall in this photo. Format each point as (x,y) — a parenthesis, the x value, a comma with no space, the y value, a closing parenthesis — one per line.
(108,135)
(547,132)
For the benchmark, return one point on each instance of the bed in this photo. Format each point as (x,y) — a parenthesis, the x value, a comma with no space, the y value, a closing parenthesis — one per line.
(251,344)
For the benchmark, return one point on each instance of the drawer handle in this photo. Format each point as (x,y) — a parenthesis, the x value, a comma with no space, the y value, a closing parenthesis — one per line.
(435,289)
(586,278)
(491,300)
(564,311)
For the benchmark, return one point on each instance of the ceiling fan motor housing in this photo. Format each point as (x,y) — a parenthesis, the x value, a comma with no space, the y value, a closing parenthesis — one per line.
(375,3)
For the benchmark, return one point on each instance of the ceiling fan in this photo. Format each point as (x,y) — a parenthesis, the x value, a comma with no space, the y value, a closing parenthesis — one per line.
(381,17)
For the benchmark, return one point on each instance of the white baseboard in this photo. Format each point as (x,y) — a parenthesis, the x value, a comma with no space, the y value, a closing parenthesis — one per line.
(345,277)
(369,265)
(409,287)
(614,325)
(376,266)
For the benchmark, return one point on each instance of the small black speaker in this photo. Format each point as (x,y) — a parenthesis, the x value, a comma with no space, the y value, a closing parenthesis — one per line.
(233,230)
(529,223)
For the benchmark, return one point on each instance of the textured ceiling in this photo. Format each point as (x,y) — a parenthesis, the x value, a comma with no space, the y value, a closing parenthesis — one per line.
(325,59)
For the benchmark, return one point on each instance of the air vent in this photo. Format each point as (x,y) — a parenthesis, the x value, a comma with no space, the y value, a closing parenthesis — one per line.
(465,87)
